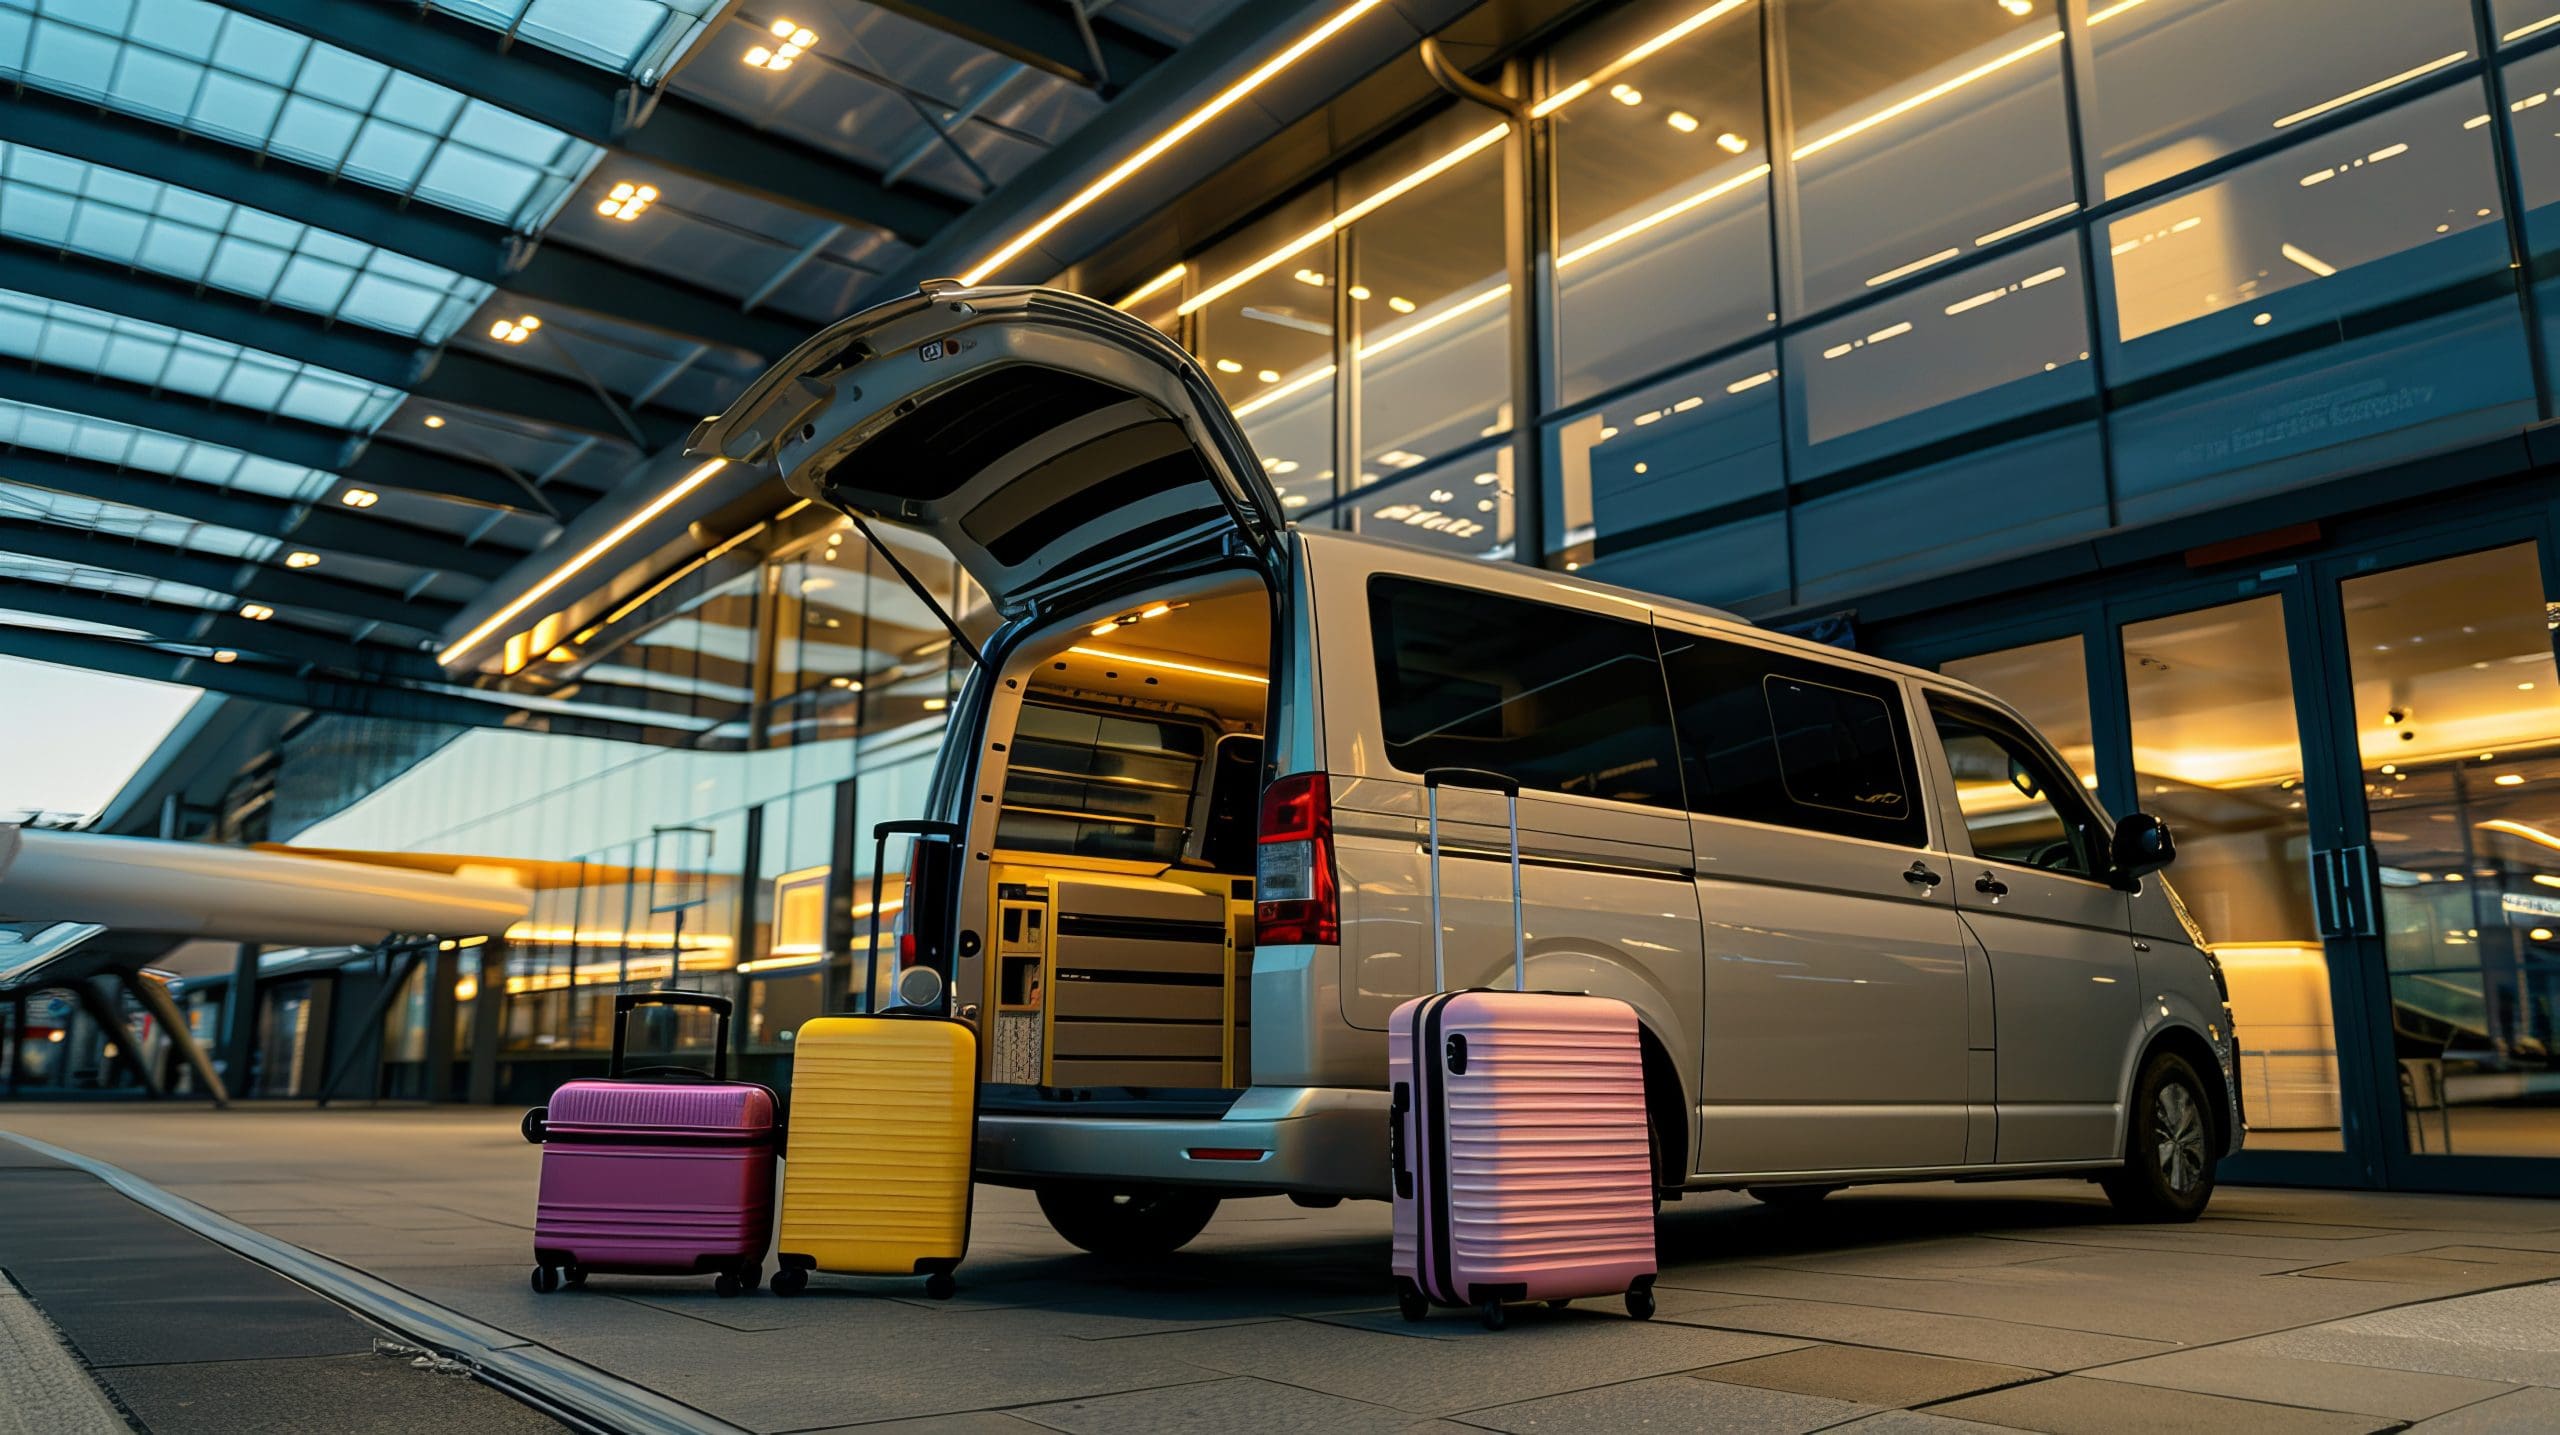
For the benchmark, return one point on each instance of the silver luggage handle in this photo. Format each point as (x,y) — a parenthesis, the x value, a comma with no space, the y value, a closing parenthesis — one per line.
(1432,782)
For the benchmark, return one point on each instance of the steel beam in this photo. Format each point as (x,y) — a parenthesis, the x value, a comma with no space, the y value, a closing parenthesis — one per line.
(89,548)
(325,526)
(240,680)
(475,381)
(473,247)
(1042,34)
(97,998)
(178,623)
(155,999)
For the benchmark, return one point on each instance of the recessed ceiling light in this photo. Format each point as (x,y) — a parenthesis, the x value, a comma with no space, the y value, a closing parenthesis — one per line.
(508,331)
(1230,366)
(2509,779)
(1400,304)
(935,705)
(792,41)
(256,612)
(301,558)
(1269,376)
(627,201)
(1626,94)
(1683,121)
(1732,143)
(359,498)
(1359,291)
(225,655)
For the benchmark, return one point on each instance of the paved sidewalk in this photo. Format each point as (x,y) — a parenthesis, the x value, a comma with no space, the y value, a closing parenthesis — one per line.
(2020,1307)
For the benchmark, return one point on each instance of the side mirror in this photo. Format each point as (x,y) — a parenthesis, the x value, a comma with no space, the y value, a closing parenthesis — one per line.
(2142,846)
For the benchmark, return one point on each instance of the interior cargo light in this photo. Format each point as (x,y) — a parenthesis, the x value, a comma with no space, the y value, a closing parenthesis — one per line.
(1174,134)
(1138,661)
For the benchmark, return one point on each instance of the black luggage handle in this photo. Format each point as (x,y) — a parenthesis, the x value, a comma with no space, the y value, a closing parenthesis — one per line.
(922,829)
(1397,1111)
(1509,787)
(624,1003)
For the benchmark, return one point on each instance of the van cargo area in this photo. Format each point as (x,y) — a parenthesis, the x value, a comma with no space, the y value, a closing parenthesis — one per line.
(1116,790)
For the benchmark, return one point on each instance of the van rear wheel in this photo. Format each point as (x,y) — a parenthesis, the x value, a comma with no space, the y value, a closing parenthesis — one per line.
(2170,1150)
(1126,1224)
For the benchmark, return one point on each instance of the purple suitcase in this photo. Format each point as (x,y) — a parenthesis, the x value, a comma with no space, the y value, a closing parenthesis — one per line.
(1523,1164)
(663,1171)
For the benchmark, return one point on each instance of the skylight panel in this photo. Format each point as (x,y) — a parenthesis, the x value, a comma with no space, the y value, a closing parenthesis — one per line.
(72,336)
(121,445)
(637,37)
(18,500)
(107,580)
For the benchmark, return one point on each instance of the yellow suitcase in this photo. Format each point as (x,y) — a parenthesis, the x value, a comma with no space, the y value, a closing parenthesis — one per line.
(876,1161)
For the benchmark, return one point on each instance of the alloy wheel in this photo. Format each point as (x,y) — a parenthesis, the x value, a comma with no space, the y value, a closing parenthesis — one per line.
(2177,1128)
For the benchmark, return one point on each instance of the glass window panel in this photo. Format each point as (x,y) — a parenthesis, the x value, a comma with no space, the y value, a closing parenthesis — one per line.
(1264,303)
(1923,130)
(633,36)
(1661,190)
(2457,709)
(1770,737)
(2218,755)
(2015,803)
(2533,121)
(2179,83)
(1644,468)
(1462,507)
(1994,343)
(76,337)
(1430,296)
(2048,683)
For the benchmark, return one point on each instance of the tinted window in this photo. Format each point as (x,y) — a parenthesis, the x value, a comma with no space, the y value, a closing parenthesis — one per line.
(1770,737)
(2017,804)
(1562,701)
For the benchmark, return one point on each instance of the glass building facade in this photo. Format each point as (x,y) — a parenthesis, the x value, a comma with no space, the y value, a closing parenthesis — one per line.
(2168,367)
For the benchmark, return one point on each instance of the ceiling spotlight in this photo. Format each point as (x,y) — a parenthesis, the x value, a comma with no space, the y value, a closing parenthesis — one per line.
(1732,143)
(256,612)
(225,655)
(1683,121)
(1359,291)
(301,558)
(2019,8)
(1269,376)
(1626,94)
(792,41)
(1230,366)
(511,331)
(359,498)
(627,201)
(1400,304)
(935,705)
(1310,276)
(436,421)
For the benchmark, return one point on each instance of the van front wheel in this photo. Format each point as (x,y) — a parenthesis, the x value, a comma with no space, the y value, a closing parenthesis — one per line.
(1126,1225)
(2169,1146)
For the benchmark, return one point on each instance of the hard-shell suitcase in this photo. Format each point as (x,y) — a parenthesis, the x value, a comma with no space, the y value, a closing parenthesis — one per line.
(884,1120)
(658,1171)
(1523,1165)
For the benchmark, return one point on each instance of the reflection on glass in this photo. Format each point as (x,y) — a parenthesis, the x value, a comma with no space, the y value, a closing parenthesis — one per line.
(1663,461)
(855,649)
(1264,302)
(2387,187)
(2518,19)
(2458,727)
(1462,508)
(2217,753)
(1158,301)
(1430,298)
(1661,189)
(2179,83)
(2048,683)
(1923,131)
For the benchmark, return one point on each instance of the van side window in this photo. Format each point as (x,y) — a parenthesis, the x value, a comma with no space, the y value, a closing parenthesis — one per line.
(2019,805)
(1563,701)
(1771,737)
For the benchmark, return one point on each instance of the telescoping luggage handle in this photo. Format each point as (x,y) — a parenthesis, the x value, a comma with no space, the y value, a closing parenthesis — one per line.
(1432,782)
(923,830)
(625,1003)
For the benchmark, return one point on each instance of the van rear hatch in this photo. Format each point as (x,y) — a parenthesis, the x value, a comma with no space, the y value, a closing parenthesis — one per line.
(1048,441)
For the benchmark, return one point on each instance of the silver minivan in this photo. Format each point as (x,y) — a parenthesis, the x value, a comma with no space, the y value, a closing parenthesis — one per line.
(1875,928)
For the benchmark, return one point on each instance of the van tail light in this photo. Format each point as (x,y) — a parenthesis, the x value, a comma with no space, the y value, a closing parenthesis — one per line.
(902,930)
(1296,897)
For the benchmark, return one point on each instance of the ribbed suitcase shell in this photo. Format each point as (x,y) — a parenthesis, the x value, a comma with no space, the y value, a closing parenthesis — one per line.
(883,1127)
(643,1177)
(1537,1156)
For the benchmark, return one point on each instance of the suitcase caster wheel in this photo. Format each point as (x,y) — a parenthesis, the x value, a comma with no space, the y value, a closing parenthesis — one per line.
(1640,1303)
(1491,1313)
(727,1285)
(575,1276)
(1412,1306)
(940,1285)
(546,1279)
(1558,1304)
(790,1281)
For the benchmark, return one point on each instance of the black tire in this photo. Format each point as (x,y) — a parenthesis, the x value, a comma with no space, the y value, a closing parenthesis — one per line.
(533,1126)
(546,1279)
(1789,1198)
(750,1277)
(790,1281)
(2170,1149)
(1559,1304)
(1492,1314)
(940,1285)
(1640,1302)
(576,1276)
(727,1285)
(1412,1306)
(1126,1225)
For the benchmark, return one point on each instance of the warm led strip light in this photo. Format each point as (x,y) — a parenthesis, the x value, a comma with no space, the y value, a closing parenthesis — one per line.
(1182,129)
(1170,666)
(587,555)
(1154,286)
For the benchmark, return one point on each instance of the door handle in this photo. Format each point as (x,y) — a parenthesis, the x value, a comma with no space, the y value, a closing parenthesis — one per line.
(1919,875)
(1991,886)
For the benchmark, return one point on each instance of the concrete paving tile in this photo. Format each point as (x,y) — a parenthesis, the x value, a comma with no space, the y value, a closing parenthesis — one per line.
(2075,1405)
(1913,1422)
(1672,1403)
(326,1395)
(1459,1365)
(2508,1335)
(1870,1377)
(1928,1333)
(1242,1406)
(2532,1408)
(973,1422)
(2458,1267)
(2247,1374)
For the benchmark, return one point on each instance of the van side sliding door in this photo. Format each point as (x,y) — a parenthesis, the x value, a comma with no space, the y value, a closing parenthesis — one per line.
(1836,986)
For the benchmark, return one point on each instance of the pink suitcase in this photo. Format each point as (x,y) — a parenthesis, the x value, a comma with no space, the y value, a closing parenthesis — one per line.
(1523,1166)
(660,1171)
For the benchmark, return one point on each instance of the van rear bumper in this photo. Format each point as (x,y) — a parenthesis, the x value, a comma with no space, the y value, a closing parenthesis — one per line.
(1305,1140)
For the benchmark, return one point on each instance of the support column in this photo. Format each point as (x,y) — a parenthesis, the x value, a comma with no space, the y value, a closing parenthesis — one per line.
(488,1013)
(17,1047)
(240,1020)
(436,1081)
(155,999)
(320,1019)
(369,1036)
(98,1000)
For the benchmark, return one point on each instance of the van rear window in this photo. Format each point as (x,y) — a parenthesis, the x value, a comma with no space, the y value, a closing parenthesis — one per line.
(1561,700)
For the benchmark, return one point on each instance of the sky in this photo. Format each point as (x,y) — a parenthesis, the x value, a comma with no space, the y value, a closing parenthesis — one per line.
(70,738)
